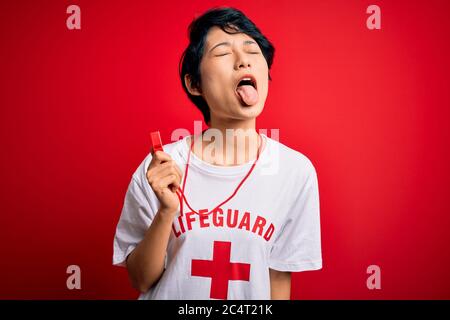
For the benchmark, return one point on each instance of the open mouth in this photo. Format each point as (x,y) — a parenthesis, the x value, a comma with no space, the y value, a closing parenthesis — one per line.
(247,82)
(246,90)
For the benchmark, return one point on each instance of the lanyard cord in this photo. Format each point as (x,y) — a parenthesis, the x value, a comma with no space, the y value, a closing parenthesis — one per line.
(181,195)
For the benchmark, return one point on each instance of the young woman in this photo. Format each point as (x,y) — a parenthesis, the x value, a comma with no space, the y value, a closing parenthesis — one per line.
(232,221)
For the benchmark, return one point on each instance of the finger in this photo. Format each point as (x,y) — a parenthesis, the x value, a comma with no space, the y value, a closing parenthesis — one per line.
(164,173)
(159,157)
(164,169)
(166,181)
(162,156)
(176,169)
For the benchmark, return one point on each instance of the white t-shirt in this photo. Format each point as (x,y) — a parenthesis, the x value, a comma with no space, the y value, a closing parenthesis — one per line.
(272,222)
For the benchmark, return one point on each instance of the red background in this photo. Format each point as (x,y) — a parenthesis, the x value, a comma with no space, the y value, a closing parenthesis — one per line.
(371,110)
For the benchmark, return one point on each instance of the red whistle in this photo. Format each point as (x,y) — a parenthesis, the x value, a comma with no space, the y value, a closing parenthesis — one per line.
(157,145)
(156,142)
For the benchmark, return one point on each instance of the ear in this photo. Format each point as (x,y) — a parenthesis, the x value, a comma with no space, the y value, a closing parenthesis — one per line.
(192,90)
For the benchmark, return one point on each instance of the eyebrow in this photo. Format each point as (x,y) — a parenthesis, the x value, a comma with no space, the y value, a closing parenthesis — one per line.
(226,43)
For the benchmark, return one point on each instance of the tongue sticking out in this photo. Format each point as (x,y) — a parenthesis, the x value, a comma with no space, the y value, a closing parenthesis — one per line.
(248,94)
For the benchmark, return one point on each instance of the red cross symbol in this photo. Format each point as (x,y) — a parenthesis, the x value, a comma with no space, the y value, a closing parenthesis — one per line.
(220,270)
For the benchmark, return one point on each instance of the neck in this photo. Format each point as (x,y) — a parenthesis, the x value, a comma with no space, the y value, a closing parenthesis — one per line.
(228,143)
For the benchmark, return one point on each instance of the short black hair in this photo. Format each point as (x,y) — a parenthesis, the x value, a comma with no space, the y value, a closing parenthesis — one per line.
(231,21)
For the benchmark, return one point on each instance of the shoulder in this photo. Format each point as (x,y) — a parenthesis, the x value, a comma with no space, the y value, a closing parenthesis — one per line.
(291,161)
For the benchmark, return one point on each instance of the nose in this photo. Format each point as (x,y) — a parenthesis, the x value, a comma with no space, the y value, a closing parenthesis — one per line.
(242,61)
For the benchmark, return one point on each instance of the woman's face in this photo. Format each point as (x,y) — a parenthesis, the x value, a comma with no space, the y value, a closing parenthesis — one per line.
(226,59)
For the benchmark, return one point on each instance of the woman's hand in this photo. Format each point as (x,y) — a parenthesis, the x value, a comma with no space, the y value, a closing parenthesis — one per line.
(164,177)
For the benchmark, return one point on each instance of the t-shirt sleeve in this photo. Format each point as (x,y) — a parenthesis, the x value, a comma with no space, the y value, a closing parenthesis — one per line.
(137,214)
(297,246)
